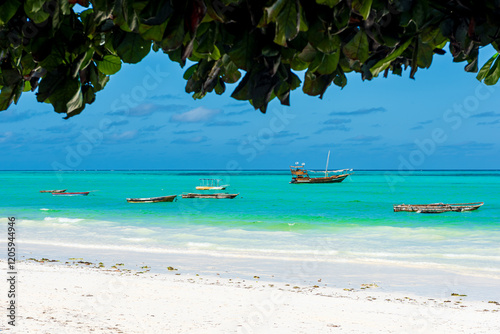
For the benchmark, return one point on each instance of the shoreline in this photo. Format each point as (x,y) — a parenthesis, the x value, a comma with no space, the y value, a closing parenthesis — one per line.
(418,280)
(73,299)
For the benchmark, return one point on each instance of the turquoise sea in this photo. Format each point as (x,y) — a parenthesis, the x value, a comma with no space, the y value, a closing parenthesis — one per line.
(349,222)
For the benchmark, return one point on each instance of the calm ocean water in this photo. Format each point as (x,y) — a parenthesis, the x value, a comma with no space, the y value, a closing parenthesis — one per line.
(348,222)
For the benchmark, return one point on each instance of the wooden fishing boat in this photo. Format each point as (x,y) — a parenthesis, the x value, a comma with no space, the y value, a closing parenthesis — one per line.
(211,184)
(301,175)
(437,207)
(169,198)
(53,191)
(216,196)
(82,193)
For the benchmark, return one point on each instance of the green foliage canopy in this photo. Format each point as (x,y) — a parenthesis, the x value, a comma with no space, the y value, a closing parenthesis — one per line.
(67,56)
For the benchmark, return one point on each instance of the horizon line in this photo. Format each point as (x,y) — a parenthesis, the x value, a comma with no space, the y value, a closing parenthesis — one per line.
(231,171)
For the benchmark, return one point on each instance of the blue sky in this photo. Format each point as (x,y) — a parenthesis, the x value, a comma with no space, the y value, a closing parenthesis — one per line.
(143,119)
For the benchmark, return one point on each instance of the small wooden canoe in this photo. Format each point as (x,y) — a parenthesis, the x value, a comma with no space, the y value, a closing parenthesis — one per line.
(53,191)
(152,199)
(83,193)
(438,207)
(216,196)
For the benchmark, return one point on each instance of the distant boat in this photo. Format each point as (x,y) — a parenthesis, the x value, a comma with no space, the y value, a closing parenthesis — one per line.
(83,193)
(216,196)
(211,184)
(301,175)
(437,207)
(53,191)
(152,199)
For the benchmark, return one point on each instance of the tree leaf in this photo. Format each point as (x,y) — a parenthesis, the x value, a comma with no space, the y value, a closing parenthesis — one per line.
(10,94)
(493,74)
(486,68)
(215,55)
(242,91)
(325,64)
(133,48)
(271,12)
(36,11)
(308,54)
(88,58)
(64,92)
(230,72)
(330,44)
(322,39)
(48,84)
(472,66)
(27,86)
(419,13)
(384,63)
(153,32)
(88,94)
(7,10)
(68,97)
(128,12)
(196,12)
(109,65)
(340,79)
(329,3)
(220,87)
(97,78)
(174,34)
(357,48)
(316,84)
(298,65)
(425,54)
(243,52)
(189,72)
(362,7)
(156,12)
(287,23)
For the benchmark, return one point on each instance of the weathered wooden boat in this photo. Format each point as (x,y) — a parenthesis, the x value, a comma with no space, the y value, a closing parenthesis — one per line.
(437,207)
(301,175)
(53,191)
(158,199)
(211,184)
(82,193)
(216,196)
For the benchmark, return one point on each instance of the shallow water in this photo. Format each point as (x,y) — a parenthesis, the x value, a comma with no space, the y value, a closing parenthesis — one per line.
(349,222)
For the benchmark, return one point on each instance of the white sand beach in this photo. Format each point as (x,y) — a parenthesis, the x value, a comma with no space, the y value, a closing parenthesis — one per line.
(58,298)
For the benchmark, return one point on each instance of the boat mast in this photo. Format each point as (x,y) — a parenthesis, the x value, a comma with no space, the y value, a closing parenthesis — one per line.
(327,159)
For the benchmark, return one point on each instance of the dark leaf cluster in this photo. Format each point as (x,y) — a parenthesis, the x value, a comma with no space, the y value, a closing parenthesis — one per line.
(66,55)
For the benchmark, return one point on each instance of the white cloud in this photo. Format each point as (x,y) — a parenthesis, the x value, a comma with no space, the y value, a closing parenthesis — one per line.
(126,135)
(198,115)
(4,137)
(191,140)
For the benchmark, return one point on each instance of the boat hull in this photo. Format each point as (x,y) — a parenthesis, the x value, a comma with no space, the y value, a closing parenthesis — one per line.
(152,199)
(53,191)
(84,193)
(214,196)
(329,179)
(437,207)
